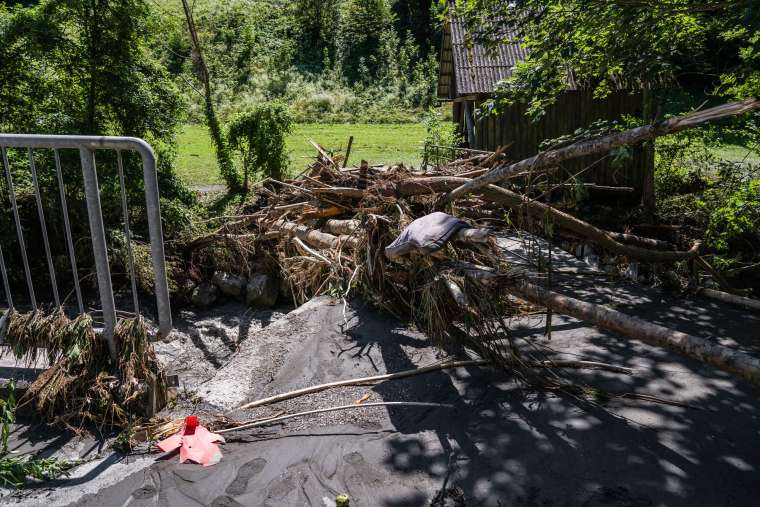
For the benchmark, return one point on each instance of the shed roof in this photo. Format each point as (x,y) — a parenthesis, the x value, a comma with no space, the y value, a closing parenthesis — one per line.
(474,68)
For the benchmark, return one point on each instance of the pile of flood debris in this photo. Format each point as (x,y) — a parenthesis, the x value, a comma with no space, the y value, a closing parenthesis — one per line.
(419,244)
(415,244)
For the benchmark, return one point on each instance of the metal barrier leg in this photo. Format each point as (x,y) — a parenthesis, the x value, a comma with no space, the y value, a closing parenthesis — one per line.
(6,285)
(67,230)
(153,209)
(99,247)
(43,228)
(19,231)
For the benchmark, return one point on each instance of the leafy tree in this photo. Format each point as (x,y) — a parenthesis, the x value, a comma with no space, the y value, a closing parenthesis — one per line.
(317,24)
(606,42)
(418,17)
(86,67)
(366,26)
(259,136)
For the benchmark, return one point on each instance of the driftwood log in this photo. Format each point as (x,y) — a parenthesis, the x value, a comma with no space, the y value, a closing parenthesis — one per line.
(733,361)
(749,303)
(314,237)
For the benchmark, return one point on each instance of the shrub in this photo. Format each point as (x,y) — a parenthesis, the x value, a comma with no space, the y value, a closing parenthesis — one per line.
(439,132)
(258,134)
(736,222)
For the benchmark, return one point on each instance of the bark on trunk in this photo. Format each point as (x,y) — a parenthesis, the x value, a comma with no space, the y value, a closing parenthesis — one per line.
(727,359)
(313,237)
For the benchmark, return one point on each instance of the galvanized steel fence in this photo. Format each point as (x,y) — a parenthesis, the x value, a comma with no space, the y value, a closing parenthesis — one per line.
(87,147)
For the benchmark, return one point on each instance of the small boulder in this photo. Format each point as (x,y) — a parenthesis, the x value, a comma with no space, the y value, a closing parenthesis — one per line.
(204,295)
(229,284)
(262,290)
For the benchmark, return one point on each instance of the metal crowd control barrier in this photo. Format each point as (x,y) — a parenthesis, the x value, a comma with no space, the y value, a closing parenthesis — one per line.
(87,146)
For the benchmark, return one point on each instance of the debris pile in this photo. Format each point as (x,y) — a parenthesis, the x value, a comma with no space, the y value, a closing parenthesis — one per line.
(328,231)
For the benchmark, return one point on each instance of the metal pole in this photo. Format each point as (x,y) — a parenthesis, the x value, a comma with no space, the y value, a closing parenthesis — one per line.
(127,234)
(67,229)
(43,228)
(19,231)
(6,285)
(153,210)
(99,247)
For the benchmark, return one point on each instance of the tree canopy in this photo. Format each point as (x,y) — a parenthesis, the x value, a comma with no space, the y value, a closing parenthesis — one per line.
(610,42)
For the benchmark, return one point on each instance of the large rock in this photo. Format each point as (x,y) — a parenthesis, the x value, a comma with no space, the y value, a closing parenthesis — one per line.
(229,284)
(204,295)
(262,290)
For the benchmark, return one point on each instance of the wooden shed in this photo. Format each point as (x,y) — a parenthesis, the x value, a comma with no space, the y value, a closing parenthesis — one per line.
(468,75)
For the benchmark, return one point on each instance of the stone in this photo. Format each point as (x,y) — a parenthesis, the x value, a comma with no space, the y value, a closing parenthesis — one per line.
(204,295)
(262,290)
(229,284)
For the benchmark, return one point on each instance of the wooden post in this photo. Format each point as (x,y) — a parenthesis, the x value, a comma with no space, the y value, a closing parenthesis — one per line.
(647,191)
(348,151)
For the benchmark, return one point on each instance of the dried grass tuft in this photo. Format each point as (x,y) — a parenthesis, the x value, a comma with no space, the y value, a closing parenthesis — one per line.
(82,384)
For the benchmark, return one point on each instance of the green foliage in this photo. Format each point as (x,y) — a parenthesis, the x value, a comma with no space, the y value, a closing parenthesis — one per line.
(366,38)
(441,131)
(607,44)
(258,134)
(86,67)
(7,415)
(316,25)
(715,200)
(736,222)
(332,62)
(15,472)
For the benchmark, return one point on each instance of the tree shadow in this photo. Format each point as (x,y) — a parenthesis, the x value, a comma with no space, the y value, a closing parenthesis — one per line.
(504,443)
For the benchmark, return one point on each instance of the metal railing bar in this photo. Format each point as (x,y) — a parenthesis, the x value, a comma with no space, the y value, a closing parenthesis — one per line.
(6,285)
(127,234)
(75,142)
(43,226)
(19,230)
(67,229)
(99,246)
(153,212)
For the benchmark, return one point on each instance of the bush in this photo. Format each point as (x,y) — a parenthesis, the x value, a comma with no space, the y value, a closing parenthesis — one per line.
(258,134)
(735,223)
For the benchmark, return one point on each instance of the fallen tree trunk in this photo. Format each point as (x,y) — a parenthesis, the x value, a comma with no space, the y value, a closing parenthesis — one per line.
(727,359)
(752,304)
(419,186)
(604,144)
(639,240)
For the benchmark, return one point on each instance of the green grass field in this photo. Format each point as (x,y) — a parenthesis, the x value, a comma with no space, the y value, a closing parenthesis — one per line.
(377,144)
(736,153)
